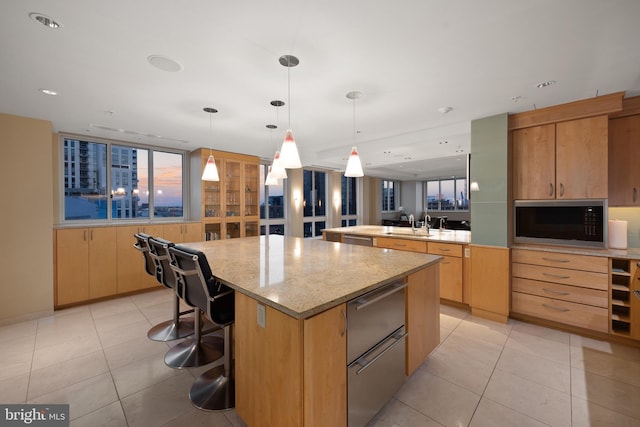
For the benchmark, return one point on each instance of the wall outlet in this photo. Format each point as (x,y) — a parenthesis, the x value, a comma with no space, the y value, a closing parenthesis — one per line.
(262,316)
(467,252)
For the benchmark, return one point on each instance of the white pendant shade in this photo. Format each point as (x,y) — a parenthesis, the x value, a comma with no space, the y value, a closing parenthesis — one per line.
(210,170)
(289,157)
(270,179)
(354,166)
(276,169)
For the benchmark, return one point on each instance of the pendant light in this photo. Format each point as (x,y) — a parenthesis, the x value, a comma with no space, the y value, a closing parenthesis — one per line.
(289,152)
(354,166)
(277,170)
(210,172)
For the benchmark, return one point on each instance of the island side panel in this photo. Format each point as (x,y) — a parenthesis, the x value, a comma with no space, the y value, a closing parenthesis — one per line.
(422,316)
(268,366)
(325,372)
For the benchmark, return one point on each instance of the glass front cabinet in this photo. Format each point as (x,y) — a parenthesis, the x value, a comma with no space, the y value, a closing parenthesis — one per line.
(228,208)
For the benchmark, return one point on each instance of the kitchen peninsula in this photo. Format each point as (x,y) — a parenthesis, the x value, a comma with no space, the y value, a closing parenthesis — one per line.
(291,323)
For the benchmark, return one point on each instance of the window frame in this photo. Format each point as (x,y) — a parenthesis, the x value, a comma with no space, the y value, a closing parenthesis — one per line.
(396,195)
(455,180)
(110,219)
(267,222)
(347,219)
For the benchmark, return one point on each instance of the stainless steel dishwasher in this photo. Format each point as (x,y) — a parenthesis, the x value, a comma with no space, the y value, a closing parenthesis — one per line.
(357,240)
(375,350)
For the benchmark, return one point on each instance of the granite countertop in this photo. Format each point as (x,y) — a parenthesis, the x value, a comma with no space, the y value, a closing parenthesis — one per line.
(435,235)
(303,277)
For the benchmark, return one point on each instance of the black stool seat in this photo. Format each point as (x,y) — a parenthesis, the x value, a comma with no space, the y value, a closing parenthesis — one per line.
(177,327)
(215,389)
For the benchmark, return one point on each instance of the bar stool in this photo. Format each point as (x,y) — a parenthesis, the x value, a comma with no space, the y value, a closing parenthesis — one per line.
(202,348)
(177,327)
(214,389)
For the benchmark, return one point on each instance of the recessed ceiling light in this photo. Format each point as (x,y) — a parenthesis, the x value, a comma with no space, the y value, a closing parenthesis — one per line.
(445,110)
(164,63)
(545,84)
(48,92)
(387,152)
(444,142)
(45,20)
(516,98)
(270,126)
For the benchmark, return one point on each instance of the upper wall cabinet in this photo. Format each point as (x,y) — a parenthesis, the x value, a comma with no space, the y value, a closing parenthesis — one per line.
(624,161)
(230,207)
(566,160)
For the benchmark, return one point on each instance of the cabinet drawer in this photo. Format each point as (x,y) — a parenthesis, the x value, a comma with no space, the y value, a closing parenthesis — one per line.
(562,292)
(552,259)
(583,316)
(402,244)
(447,249)
(585,279)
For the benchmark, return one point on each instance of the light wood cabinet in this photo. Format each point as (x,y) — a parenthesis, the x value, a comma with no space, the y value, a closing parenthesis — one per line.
(85,264)
(534,162)
(131,273)
(564,288)
(292,372)
(451,275)
(422,317)
(490,282)
(401,244)
(183,232)
(624,161)
(565,160)
(228,208)
(625,298)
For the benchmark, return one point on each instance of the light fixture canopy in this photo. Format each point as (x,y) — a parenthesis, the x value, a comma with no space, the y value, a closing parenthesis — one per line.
(354,165)
(210,172)
(289,152)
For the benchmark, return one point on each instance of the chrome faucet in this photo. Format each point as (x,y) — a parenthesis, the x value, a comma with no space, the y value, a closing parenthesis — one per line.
(412,221)
(425,224)
(443,222)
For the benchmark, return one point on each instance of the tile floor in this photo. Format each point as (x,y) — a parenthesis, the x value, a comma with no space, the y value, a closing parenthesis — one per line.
(97,358)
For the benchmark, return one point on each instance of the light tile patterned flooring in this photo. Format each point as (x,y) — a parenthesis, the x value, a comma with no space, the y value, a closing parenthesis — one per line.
(97,358)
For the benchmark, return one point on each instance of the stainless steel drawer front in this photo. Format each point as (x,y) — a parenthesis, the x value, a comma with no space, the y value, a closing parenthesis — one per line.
(374,378)
(373,317)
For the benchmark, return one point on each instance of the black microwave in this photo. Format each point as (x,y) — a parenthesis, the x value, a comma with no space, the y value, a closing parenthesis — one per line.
(561,222)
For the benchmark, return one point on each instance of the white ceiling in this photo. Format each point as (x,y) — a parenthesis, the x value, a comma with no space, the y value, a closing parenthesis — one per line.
(409,58)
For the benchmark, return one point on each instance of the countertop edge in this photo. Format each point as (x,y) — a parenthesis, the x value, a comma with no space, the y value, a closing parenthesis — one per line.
(330,304)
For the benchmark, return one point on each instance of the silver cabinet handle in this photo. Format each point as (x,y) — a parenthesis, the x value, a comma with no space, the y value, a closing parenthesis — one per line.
(372,361)
(635,194)
(344,317)
(445,249)
(367,302)
(555,259)
(556,276)
(550,189)
(84,235)
(561,189)
(91,235)
(551,291)
(550,307)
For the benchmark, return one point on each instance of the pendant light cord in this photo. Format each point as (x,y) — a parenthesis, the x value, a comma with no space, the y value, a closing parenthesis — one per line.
(289,90)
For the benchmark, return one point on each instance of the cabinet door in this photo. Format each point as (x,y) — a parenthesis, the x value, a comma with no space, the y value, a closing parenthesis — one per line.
(72,266)
(451,278)
(325,373)
(102,262)
(193,232)
(211,194)
(422,299)
(129,260)
(251,187)
(534,162)
(232,186)
(581,158)
(624,158)
(173,232)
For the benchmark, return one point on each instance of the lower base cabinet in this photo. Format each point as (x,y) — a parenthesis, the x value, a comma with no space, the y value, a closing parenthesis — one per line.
(293,372)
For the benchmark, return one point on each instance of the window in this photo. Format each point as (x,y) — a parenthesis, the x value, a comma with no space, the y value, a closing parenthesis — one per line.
(349,204)
(447,195)
(93,190)
(314,202)
(389,195)
(272,218)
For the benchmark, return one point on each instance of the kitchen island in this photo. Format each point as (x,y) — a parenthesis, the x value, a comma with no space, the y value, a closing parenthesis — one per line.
(291,323)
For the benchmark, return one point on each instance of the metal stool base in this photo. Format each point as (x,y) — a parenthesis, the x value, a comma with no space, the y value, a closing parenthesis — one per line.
(167,331)
(213,391)
(188,354)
